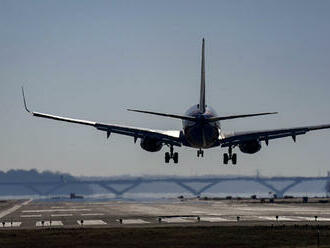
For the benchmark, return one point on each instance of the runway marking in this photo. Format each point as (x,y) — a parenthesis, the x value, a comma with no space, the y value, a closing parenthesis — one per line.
(47,223)
(60,215)
(306,218)
(92,222)
(313,218)
(214,219)
(56,210)
(280,218)
(134,221)
(69,205)
(323,219)
(97,203)
(178,220)
(13,209)
(92,214)
(10,224)
(31,216)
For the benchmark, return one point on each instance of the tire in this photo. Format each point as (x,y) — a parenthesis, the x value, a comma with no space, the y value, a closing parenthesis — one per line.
(176,157)
(234,158)
(167,157)
(225,158)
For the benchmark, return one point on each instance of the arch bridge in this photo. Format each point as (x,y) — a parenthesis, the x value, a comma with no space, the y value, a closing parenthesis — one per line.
(130,183)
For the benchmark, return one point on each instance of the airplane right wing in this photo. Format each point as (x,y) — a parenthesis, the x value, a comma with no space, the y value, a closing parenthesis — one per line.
(169,137)
(237,138)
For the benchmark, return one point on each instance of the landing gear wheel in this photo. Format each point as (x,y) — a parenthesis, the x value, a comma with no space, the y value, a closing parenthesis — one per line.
(200,152)
(167,157)
(171,155)
(230,156)
(175,157)
(234,158)
(225,158)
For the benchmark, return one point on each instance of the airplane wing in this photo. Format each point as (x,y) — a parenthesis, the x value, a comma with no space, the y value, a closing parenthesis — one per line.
(237,138)
(170,137)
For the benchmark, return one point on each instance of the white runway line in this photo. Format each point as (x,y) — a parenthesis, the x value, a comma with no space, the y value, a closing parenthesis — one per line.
(47,223)
(302,218)
(92,214)
(313,218)
(56,210)
(26,202)
(13,209)
(323,219)
(31,216)
(134,221)
(60,215)
(179,220)
(280,218)
(9,224)
(92,222)
(214,219)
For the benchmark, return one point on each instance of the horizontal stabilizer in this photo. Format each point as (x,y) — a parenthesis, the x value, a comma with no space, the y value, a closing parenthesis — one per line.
(182,117)
(212,119)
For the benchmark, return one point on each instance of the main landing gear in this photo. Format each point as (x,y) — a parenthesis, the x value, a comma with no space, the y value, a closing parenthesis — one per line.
(171,154)
(200,152)
(230,156)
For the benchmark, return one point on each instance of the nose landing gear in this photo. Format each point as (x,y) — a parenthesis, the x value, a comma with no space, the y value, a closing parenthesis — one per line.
(200,152)
(230,156)
(171,154)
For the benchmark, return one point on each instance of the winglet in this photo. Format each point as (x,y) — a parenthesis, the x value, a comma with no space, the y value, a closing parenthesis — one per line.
(25,101)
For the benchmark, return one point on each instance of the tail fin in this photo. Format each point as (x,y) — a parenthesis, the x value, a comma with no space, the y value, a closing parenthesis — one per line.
(202,105)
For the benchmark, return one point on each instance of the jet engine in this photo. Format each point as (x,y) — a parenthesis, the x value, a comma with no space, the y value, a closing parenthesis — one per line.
(151,144)
(250,147)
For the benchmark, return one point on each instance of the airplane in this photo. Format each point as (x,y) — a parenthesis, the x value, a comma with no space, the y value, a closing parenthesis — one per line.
(201,129)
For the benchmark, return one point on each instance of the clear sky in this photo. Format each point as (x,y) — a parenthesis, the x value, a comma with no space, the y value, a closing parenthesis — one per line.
(93,59)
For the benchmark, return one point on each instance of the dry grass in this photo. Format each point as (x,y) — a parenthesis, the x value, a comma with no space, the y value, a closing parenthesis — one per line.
(174,237)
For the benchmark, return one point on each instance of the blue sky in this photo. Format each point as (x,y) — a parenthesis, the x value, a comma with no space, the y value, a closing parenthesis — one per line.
(93,59)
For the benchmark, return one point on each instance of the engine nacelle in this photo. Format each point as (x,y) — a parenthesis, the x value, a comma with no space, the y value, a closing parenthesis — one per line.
(151,144)
(250,147)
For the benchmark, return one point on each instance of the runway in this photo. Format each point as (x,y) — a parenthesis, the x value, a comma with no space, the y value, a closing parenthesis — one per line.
(70,214)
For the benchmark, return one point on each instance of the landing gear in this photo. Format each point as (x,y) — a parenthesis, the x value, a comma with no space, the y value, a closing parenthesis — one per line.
(167,157)
(176,157)
(234,158)
(225,158)
(230,156)
(200,152)
(171,154)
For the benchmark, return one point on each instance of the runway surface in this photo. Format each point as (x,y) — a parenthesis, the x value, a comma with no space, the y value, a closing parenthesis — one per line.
(41,214)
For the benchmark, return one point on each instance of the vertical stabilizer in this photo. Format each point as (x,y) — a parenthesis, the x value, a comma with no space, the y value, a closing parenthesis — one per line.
(202,105)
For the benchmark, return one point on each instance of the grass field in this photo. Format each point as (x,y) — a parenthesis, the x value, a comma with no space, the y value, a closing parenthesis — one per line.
(169,237)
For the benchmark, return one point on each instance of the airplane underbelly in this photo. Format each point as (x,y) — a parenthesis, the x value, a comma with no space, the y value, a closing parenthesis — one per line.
(201,136)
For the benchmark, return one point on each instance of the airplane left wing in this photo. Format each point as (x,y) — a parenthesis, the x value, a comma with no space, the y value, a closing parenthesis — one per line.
(237,138)
(169,137)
